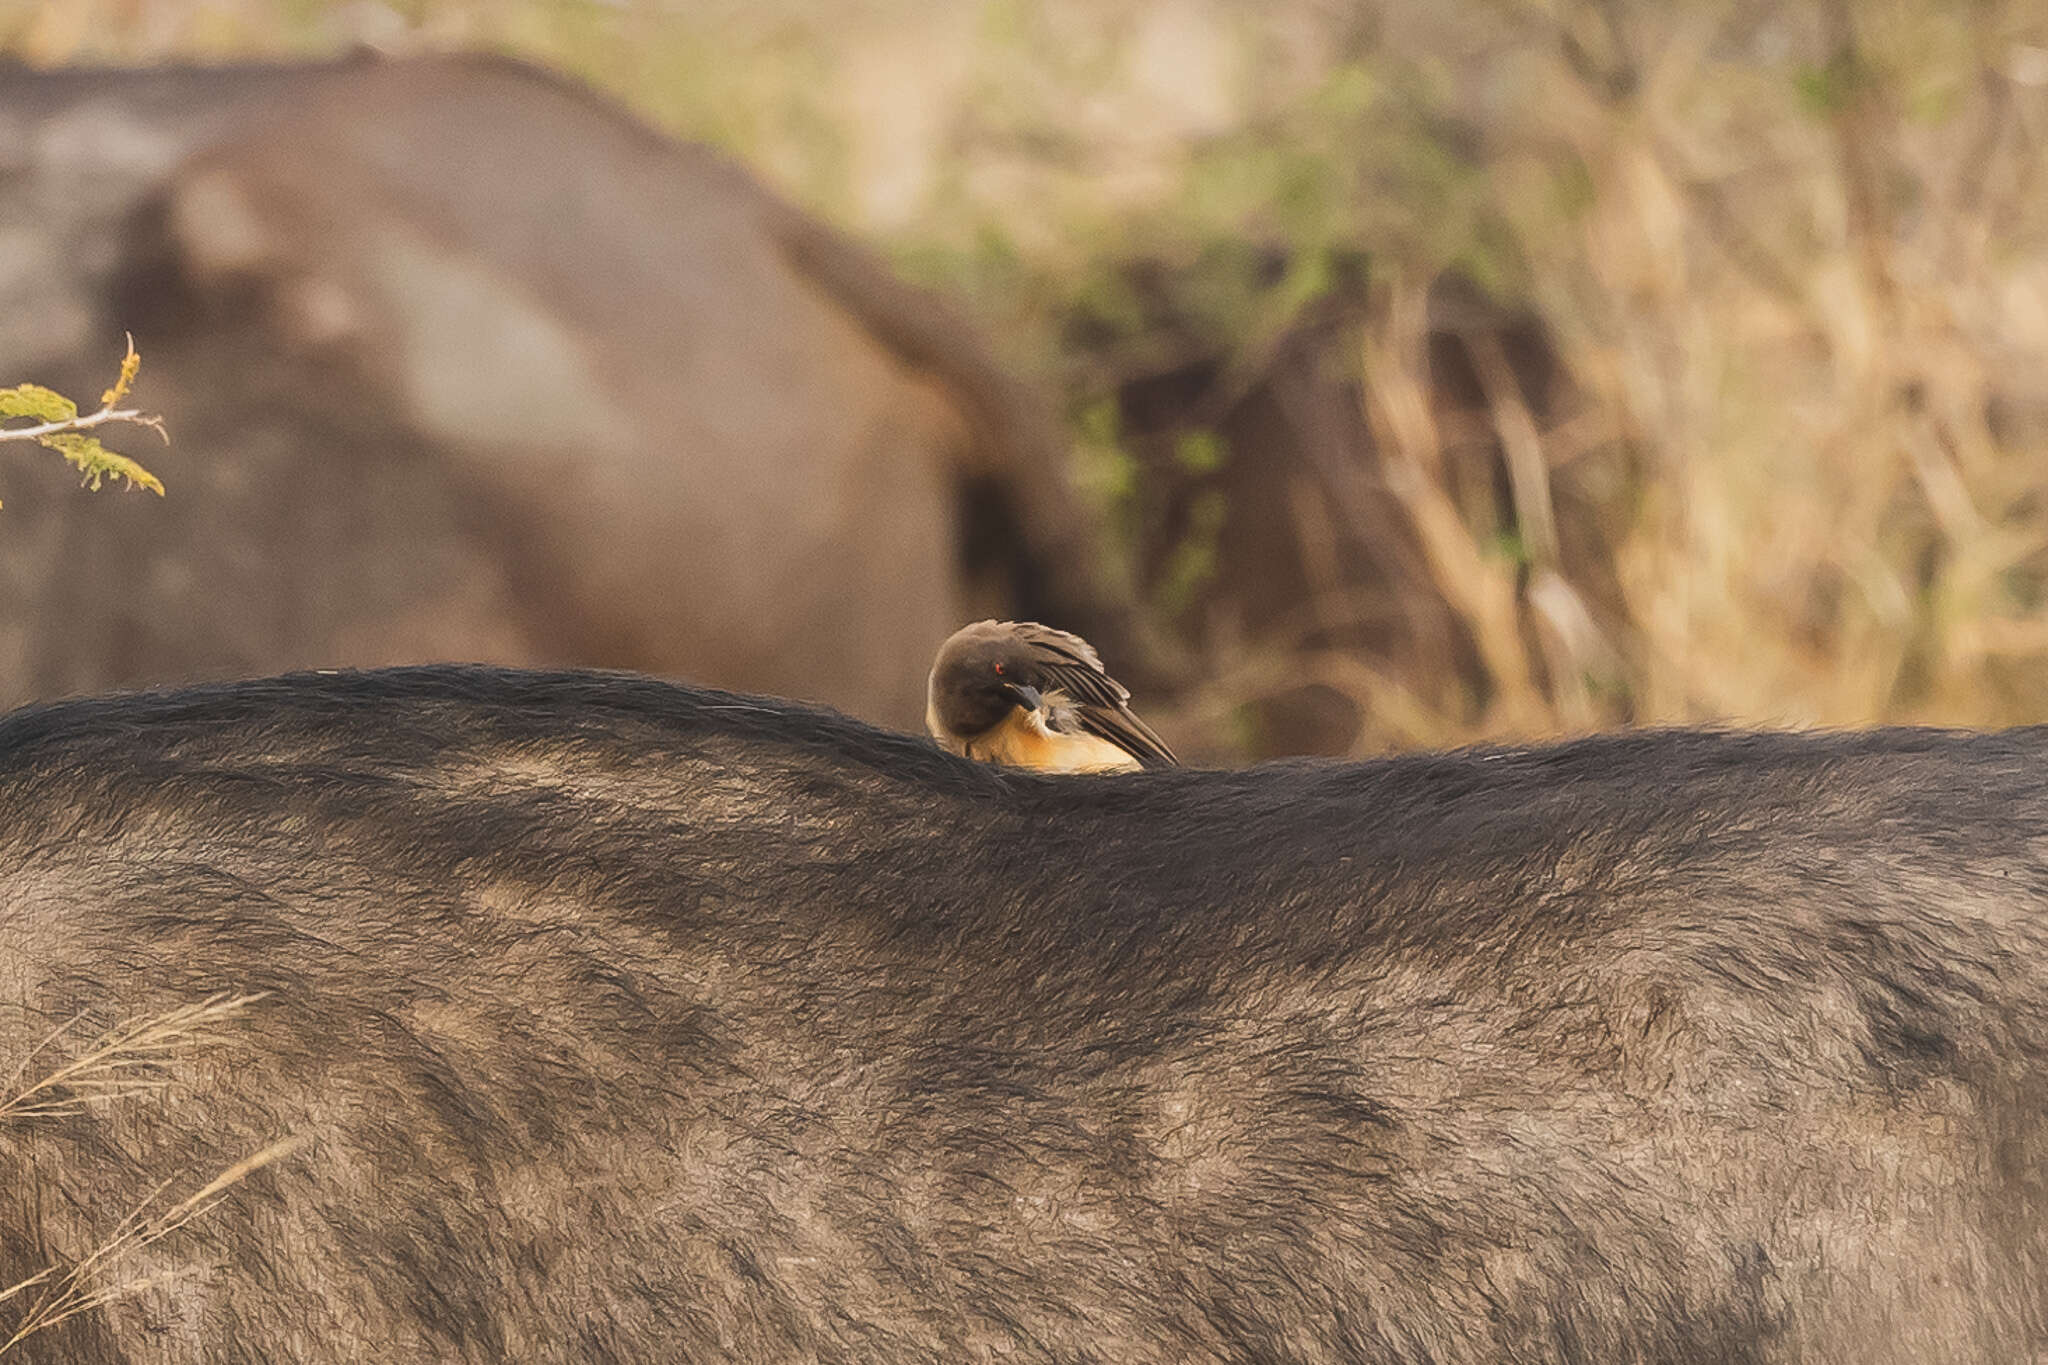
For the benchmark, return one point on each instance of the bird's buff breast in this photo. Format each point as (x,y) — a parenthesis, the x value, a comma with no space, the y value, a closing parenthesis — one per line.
(1024,740)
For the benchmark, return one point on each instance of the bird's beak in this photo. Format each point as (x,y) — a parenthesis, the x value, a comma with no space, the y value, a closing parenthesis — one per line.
(1026,695)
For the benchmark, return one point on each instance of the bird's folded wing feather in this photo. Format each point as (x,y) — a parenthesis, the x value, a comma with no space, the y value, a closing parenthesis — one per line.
(1070,665)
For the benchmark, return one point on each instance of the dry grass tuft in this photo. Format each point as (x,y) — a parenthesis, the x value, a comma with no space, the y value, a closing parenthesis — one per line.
(92,1282)
(127,1062)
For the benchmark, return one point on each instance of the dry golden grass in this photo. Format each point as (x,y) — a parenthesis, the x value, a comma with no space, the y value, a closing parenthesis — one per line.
(1793,261)
(127,1060)
(1803,311)
(131,1061)
(57,1294)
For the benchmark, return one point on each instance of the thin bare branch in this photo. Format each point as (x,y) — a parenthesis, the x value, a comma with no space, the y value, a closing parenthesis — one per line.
(86,421)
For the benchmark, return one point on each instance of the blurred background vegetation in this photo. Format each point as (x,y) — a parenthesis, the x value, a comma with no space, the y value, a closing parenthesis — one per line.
(1485,368)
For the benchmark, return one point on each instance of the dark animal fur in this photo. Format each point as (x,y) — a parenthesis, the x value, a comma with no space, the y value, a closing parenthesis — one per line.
(625,1022)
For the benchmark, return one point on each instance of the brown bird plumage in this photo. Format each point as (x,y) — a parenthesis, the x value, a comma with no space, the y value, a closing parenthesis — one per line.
(1027,695)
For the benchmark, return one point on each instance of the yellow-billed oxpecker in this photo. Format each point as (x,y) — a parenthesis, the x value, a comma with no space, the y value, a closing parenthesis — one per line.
(1019,693)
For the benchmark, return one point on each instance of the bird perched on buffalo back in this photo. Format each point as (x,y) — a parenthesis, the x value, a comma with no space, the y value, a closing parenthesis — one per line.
(1019,693)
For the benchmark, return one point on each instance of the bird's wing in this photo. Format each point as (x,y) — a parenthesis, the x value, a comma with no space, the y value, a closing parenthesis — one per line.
(1123,729)
(1069,665)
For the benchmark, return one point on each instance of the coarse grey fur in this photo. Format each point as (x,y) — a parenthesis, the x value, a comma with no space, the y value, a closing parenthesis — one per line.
(625,1022)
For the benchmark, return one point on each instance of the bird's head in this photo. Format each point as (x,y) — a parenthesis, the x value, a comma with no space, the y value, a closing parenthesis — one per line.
(982,673)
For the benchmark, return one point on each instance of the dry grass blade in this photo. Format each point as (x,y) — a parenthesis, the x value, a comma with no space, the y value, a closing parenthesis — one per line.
(1480,590)
(20,1287)
(86,1285)
(125,1060)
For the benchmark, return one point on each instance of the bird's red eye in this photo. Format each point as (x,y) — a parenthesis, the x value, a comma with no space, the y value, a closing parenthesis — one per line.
(999,668)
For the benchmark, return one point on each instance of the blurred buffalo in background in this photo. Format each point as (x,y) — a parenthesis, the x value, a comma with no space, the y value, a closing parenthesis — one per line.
(462,361)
